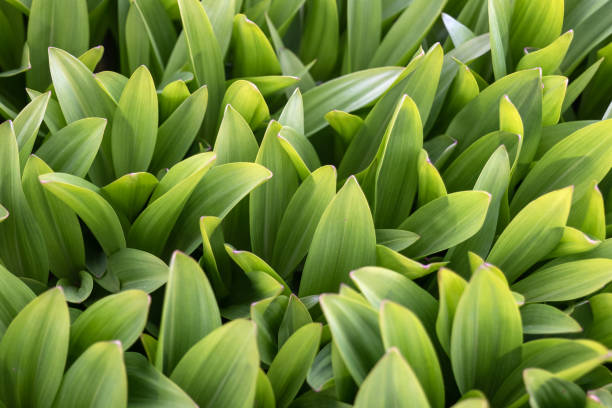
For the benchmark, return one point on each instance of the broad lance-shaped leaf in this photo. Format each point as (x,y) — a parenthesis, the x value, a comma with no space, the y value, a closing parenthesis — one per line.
(110,389)
(63,24)
(578,159)
(347,93)
(301,217)
(245,97)
(548,390)
(221,369)
(395,165)
(299,149)
(401,328)
(57,221)
(344,239)
(217,193)
(253,53)
(235,141)
(129,193)
(35,345)
(486,331)
(290,366)
(419,80)
(267,315)
(73,149)
(187,289)
(405,35)
(500,16)
(566,281)
(22,247)
(115,317)
(391,383)
(548,58)
(148,387)
(135,124)
(84,199)
(320,37)
(465,211)
(136,269)
(80,96)
(363,32)
(494,178)
(451,287)
(355,331)
(395,239)
(539,318)
(153,226)
(205,57)
(171,97)
(158,27)
(296,316)
(532,233)
(379,284)
(268,203)
(568,359)
(221,15)
(601,330)
(588,213)
(14,296)
(27,124)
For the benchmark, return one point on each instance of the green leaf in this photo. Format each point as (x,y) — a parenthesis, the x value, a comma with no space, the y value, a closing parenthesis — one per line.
(290,366)
(158,27)
(457,32)
(344,239)
(235,141)
(465,211)
(390,259)
(147,387)
(221,369)
(532,233)
(221,15)
(363,33)
(486,331)
(27,124)
(97,378)
(33,352)
(391,383)
(355,331)
(79,292)
(73,149)
(250,262)
(378,284)
(265,212)
(264,395)
(218,192)
(129,194)
(299,149)
(494,179)
(245,98)
(205,57)
(588,214)
(14,296)
(177,133)
(22,247)
(63,24)
(500,17)
(569,359)
(84,199)
(137,269)
(282,12)
(321,375)
(402,329)
(54,118)
(299,222)
(171,97)
(566,281)
(451,287)
(292,114)
(600,308)
(268,85)
(544,319)
(406,34)
(578,159)
(137,43)
(535,24)
(58,223)
(579,84)
(430,183)
(296,316)
(397,240)
(152,228)
(190,311)
(252,52)
(573,241)
(548,58)
(547,390)
(418,80)
(347,93)
(115,317)
(320,39)
(112,83)
(555,87)
(268,315)
(135,124)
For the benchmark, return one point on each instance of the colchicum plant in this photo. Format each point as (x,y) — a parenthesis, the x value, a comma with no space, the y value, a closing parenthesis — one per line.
(305,203)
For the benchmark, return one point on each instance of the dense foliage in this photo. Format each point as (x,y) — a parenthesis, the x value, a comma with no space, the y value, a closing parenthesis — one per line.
(305,203)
